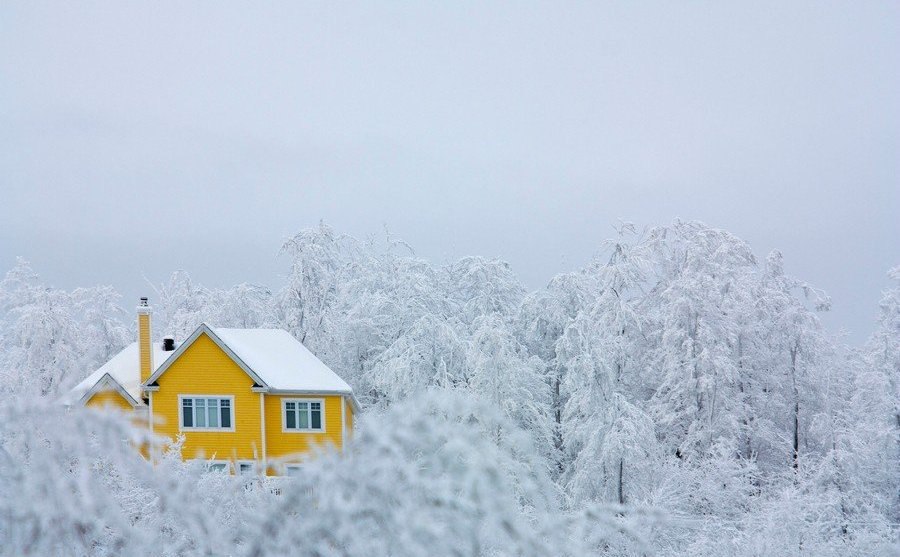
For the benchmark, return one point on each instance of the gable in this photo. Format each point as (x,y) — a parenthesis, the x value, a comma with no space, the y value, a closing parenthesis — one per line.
(108,391)
(203,332)
(204,366)
(108,398)
(204,369)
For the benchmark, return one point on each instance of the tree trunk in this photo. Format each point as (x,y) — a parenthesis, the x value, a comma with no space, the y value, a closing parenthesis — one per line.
(621,487)
(557,430)
(796,393)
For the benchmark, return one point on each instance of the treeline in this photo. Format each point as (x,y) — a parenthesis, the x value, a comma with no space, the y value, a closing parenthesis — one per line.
(675,381)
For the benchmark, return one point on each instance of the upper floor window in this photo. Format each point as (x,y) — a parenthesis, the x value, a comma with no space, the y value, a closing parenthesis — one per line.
(303,415)
(207,412)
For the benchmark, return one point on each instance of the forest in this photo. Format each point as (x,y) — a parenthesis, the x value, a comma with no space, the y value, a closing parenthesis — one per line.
(677,395)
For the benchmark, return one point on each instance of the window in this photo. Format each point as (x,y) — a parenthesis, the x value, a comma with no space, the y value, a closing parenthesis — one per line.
(246,469)
(207,412)
(303,415)
(229,467)
(292,470)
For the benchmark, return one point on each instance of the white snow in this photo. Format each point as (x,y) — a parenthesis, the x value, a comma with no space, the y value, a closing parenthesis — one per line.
(282,361)
(124,367)
(273,354)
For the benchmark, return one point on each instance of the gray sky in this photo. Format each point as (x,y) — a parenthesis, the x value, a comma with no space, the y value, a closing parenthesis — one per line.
(136,139)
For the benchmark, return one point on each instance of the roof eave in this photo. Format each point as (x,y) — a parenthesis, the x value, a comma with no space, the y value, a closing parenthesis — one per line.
(339,392)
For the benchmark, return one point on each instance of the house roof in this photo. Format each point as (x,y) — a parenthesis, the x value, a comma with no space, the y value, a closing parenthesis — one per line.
(274,359)
(123,368)
(281,361)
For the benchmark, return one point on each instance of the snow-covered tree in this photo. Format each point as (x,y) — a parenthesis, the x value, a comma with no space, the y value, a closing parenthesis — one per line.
(42,349)
(542,319)
(425,478)
(503,373)
(484,287)
(309,305)
(180,306)
(674,397)
(430,353)
(599,346)
(102,324)
(691,311)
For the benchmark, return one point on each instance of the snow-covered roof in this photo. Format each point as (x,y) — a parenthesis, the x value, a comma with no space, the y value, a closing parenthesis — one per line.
(272,357)
(123,368)
(281,361)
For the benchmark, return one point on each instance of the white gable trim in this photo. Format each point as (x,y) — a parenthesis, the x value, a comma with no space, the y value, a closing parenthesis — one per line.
(105,383)
(203,328)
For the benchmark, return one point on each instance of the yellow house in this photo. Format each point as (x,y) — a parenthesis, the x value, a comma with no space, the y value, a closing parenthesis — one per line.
(244,400)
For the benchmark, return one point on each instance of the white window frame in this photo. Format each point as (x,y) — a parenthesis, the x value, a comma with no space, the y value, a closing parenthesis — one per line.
(240,464)
(284,427)
(182,428)
(231,467)
(226,466)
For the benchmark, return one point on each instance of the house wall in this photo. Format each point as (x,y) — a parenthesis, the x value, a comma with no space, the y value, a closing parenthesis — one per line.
(290,446)
(204,369)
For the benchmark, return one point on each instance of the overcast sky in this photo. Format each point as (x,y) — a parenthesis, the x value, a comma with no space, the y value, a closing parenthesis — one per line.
(136,139)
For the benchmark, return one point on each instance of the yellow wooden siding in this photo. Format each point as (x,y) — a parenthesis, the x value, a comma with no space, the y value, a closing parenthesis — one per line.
(204,369)
(145,349)
(281,444)
(109,397)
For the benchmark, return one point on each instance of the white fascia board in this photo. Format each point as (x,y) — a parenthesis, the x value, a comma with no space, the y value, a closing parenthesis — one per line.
(307,392)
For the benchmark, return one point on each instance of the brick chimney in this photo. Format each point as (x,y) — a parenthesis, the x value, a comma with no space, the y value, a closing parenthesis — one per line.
(145,348)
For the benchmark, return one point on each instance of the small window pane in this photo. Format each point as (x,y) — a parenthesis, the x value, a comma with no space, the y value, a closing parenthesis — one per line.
(317,419)
(200,415)
(217,467)
(291,419)
(302,406)
(289,405)
(213,414)
(187,413)
(304,420)
(246,469)
(226,415)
